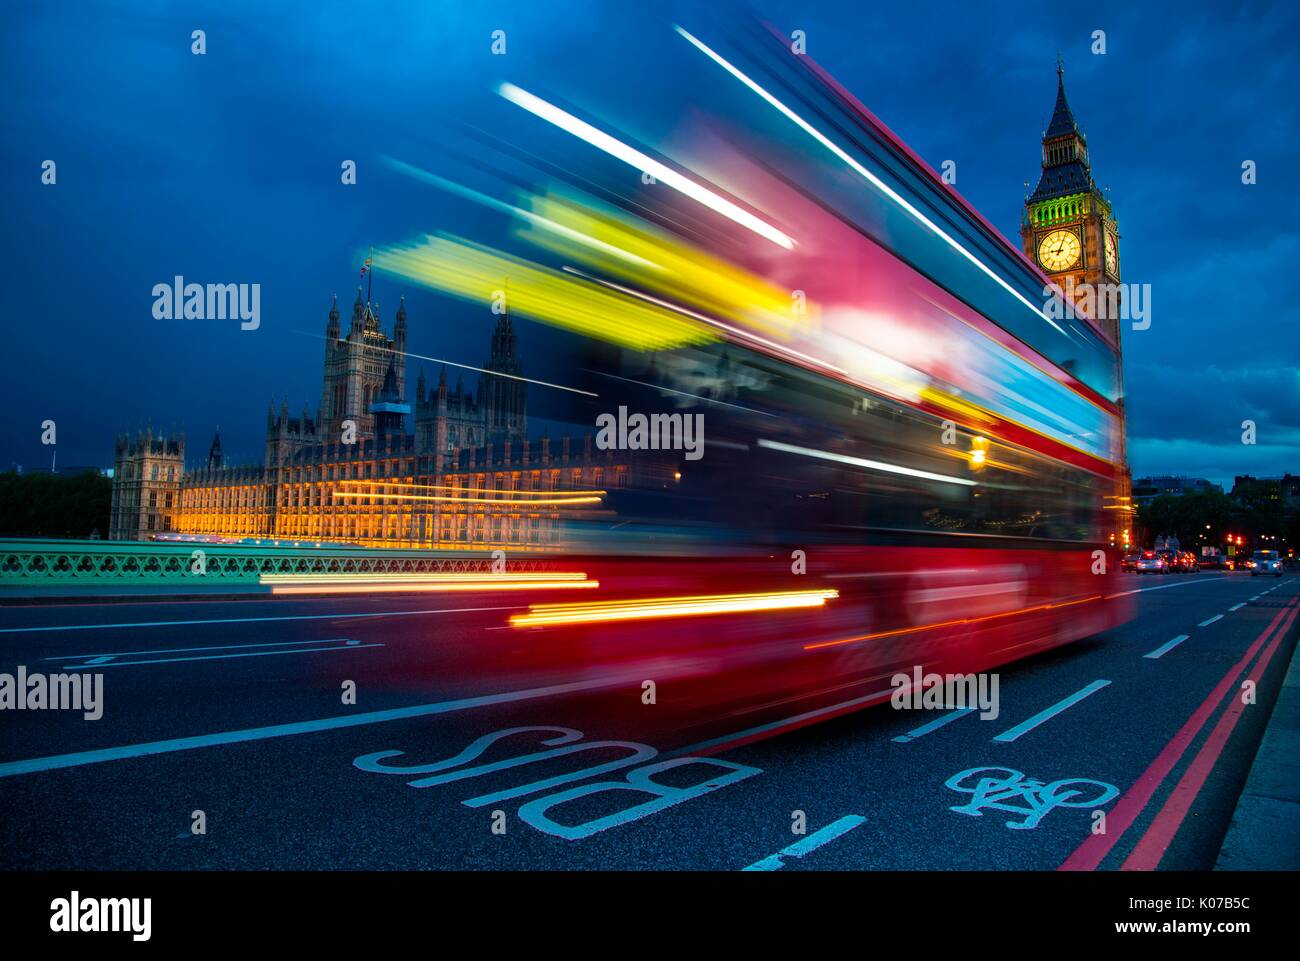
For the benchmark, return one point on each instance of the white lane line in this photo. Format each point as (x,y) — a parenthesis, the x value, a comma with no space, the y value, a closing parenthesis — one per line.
(190,650)
(934,725)
(1207,622)
(809,844)
(98,662)
(1167,646)
(1236,607)
(1160,587)
(53,762)
(251,620)
(1024,727)
(1255,598)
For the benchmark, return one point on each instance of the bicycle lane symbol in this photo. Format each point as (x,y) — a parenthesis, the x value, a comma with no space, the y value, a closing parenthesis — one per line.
(1006,789)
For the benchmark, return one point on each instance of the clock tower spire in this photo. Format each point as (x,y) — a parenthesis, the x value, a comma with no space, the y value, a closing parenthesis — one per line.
(1068,227)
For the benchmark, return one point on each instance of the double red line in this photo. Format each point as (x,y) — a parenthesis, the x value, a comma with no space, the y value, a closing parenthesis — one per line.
(1153,844)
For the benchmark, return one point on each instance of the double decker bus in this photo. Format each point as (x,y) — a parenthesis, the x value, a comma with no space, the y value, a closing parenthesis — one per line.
(907,439)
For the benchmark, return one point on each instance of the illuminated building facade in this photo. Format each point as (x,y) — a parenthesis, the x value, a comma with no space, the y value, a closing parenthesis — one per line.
(467,477)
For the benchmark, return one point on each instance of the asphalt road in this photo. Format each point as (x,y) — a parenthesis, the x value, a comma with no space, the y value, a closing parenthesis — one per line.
(235,709)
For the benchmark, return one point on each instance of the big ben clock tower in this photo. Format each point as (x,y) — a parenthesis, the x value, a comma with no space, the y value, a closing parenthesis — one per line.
(1069,230)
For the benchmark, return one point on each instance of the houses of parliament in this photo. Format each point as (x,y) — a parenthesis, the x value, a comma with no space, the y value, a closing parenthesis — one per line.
(456,470)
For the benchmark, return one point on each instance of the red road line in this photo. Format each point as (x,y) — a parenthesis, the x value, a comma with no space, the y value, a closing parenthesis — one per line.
(1146,854)
(1094,849)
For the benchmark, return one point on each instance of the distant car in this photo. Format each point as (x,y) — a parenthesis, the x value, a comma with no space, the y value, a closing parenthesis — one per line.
(1152,562)
(1216,562)
(1266,562)
(1190,562)
(1129,562)
(1173,563)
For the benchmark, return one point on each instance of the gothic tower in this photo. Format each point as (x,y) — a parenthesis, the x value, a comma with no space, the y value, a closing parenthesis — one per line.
(504,399)
(1069,230)
(147,471)
(390,410)
(356,365)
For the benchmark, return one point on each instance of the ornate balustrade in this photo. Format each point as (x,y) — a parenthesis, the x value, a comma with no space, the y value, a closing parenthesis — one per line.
(34,561)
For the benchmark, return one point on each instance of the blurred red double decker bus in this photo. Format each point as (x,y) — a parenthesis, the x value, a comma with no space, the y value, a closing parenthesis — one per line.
(870,437)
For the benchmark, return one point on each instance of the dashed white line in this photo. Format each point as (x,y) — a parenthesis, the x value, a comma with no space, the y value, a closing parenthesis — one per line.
(1168,646)
(1209,621)
(934,725)
(1024,727)
(1236,607)
(809,844)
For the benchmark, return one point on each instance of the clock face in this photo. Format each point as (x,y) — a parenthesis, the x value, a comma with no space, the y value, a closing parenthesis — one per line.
(1059,250)
(1112,254)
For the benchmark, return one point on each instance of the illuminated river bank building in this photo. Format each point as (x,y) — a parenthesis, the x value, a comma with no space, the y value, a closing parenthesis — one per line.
(466,475)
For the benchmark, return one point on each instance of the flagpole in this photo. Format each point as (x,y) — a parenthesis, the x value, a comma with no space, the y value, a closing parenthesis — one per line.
(370,274)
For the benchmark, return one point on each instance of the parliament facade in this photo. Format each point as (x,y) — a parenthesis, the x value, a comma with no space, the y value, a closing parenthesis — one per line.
(467,476)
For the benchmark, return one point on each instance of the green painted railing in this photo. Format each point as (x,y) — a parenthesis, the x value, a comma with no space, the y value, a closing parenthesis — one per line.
(35,561)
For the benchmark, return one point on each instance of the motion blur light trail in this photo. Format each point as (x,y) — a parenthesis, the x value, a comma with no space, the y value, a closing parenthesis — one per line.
(507,498)
(958,622)
(472,271)
(450,577)
(484,585)
(401,485)
(629,155)
(861,170)
(863,462)
(659,607)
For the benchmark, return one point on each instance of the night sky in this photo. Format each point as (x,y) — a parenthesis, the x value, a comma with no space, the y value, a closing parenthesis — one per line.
(225,168)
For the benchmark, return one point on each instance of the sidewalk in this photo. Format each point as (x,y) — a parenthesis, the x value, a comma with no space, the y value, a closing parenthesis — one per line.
(1265,829)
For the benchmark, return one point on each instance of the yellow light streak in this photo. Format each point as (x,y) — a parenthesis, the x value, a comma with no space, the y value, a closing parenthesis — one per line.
(475,490)
(442,577)
(485,585)
(661,607)
(473,272)
(503,501)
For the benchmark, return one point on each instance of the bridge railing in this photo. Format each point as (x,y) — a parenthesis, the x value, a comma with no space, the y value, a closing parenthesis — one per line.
(38,561)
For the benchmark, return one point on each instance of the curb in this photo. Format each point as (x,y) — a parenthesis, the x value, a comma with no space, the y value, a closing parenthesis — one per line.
(1264,834)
